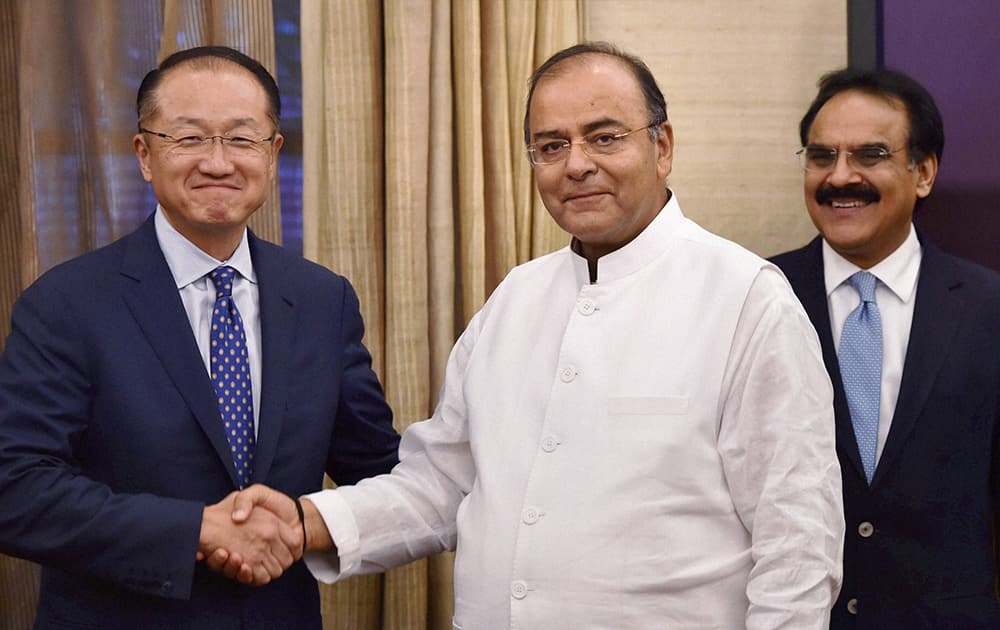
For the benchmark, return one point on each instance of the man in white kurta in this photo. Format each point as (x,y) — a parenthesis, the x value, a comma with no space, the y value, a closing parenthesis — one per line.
(651,450)
(635,431)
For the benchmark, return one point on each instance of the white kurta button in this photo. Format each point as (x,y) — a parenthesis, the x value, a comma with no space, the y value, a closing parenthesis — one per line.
(586,306)
(866,529)
(530,515)
(519,589)
(852,605)
(549,444)
(567,374)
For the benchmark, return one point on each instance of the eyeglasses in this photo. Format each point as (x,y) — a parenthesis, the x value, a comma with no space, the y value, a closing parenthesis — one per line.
(201,145)
(597,143)
(817,158)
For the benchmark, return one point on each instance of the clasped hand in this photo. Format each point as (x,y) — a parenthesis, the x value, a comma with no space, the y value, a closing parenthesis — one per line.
(253,540)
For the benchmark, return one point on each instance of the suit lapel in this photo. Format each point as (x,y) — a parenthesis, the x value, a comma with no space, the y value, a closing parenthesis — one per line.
(936,313)
(277,326)
(156,306)
(807,278)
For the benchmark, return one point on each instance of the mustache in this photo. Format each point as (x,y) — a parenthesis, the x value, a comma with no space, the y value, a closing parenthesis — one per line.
(827,193)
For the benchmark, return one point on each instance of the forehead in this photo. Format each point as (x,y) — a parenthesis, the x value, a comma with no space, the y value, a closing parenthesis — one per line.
(221,93)
(585,89)
(854,117)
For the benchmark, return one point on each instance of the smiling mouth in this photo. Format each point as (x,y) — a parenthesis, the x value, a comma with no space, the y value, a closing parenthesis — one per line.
(847,197)
(857,203)
(216,187)
(585,196)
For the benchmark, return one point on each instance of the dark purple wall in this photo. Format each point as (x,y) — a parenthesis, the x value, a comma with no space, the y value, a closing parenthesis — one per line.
(953,49)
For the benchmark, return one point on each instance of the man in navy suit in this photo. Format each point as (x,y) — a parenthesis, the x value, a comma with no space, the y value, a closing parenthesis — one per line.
(125,430)
(920,483)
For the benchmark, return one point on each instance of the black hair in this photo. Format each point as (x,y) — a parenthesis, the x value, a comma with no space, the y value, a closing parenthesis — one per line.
(926,127)
(206,57)
(655,102)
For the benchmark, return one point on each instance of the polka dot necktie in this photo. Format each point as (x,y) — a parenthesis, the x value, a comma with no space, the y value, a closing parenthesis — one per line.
(860,359)
(230,368)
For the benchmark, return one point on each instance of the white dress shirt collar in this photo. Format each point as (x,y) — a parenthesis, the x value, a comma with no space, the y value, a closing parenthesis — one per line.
(898,271)
(188,263)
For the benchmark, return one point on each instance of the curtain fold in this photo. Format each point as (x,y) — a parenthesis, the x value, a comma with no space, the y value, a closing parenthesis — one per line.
(15,249)
(18,578)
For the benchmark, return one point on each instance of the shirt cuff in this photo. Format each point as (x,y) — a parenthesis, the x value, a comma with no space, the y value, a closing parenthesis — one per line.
(330,566)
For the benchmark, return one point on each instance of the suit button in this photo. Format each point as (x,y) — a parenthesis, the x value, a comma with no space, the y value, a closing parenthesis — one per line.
(166,587)
(586,306)
(549,444)
(866,529)
(519,589)
(852,605)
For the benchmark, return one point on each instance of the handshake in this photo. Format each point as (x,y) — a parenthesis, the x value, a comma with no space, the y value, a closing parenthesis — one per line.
(254,535)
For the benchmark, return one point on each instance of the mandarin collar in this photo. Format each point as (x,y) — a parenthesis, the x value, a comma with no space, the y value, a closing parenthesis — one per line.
(640,251)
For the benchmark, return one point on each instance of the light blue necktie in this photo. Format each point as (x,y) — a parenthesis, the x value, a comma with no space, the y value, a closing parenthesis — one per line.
(860,360)
(230,367)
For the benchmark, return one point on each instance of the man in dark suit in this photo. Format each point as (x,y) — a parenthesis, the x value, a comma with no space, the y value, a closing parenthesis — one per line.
(144,383)
(910,339)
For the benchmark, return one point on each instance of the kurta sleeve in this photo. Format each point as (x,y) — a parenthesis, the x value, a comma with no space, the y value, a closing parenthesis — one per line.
(396,518)
(777,443)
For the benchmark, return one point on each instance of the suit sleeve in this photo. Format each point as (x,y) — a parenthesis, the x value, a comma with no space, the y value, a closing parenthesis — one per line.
(364,441)
(50,512)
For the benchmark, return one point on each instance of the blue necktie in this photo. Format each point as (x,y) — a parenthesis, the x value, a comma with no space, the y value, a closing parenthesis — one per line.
(230,367)
(860,359)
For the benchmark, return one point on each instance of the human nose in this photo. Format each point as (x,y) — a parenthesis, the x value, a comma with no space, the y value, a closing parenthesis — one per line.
(578,161)
(844,170)
(216,159)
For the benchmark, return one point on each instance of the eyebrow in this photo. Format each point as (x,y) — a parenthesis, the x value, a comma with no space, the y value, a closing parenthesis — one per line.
(233,122)
(587,128)
(863,145)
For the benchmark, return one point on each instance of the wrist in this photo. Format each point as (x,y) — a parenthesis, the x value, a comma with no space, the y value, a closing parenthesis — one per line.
(302,521)
(316,533)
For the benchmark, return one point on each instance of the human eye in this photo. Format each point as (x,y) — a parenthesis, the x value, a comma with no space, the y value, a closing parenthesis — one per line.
(191,142)
(240,142)
(553,147)
(871,156)
(604,140)
(820,157)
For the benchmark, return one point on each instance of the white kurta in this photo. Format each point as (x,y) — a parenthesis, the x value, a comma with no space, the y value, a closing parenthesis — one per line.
(654,450)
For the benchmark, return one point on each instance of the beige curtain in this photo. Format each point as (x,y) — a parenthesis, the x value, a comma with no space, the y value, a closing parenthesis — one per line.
(417,189)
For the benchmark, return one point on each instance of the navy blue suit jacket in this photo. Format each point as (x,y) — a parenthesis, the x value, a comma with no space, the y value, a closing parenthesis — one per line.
(930,560)
(111,442)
